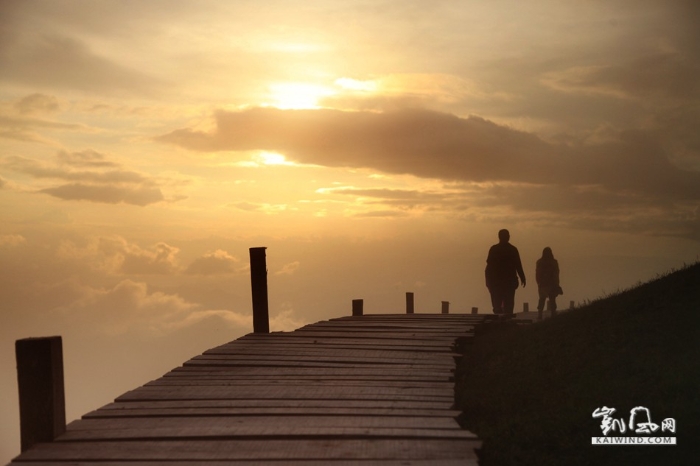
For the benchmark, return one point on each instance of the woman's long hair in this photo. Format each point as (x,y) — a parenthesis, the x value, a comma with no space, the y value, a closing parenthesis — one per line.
(547,254)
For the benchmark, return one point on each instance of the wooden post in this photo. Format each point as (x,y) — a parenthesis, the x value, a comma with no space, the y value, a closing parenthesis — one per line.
(357,305)
(258,282)
(42,406)
(445,307)
(475,310)
(409,303)
(526,307)
(571,304)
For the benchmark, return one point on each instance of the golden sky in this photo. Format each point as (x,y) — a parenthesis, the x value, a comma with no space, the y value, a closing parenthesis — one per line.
(375,147)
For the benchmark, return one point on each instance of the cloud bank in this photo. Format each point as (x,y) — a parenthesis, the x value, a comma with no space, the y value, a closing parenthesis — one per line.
(439,145)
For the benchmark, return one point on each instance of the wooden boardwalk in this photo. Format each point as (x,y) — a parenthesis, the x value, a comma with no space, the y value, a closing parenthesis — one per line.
(375,389)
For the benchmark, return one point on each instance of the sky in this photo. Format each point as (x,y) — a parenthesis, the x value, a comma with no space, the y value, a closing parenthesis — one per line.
(374,147)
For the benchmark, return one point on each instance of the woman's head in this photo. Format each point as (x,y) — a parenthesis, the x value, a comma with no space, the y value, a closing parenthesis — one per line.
(547,253)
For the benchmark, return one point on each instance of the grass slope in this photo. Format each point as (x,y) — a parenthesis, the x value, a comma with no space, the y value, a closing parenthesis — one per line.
(529,392)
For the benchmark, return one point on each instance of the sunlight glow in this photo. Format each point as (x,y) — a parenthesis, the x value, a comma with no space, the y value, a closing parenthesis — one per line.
(356,85)
(298,95)
(273,158)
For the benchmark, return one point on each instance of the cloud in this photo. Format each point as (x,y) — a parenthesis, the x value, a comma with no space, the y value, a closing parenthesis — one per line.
(286,321)
(661,75)
(56,60)
(11,240)
(230,318)
(92,178)
(439,145)
(37,103)
(86,158)
(106,194)
(116,255)
(214,263)
(128,305)
(288,269)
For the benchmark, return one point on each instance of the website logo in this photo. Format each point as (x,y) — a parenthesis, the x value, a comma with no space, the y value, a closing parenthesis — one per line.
(639,423)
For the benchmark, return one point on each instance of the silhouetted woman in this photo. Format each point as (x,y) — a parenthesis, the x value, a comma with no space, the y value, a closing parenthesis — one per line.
(547,276)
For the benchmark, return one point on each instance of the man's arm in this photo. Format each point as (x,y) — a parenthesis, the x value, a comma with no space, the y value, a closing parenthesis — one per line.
(519,267)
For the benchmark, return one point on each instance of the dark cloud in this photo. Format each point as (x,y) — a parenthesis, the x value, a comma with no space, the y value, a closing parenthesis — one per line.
(37,103)
(91,177)
(140,196)
(438,145)
(41,170)
(58,61)
(86,158)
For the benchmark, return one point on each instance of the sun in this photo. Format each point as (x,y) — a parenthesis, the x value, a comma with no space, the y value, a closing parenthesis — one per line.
(298,95)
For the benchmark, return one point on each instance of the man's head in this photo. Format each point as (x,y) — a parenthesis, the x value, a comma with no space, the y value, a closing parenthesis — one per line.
(503,236)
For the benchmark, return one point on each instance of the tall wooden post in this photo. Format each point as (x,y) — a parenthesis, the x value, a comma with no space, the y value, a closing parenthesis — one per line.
(409,303)
(445,307)
(526,307)
(42,406)
(357,305)
(258,281)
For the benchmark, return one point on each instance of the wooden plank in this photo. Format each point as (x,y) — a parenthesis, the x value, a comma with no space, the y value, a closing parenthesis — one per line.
(291,403)
(282,392)
(349,351)
(313,364)
(356,371)
(253,462)
(253,432)
(255,449)
(174,428)
(177,382)
(292,357)
(249,422)
(413,337)
(404,341)
(233,374)
(179,411)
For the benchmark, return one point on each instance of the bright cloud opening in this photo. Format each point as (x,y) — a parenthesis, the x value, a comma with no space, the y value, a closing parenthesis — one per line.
(289,96)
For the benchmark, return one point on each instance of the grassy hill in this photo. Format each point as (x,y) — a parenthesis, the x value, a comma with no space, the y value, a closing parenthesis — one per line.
(530,391)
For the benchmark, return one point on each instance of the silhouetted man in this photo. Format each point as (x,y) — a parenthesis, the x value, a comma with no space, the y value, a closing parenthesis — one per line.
(503,267)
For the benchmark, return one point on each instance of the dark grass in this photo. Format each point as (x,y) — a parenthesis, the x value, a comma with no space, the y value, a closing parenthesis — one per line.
(529,391)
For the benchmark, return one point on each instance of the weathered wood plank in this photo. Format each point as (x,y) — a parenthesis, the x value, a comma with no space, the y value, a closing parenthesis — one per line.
(173,428)
(253,462)
(292,357)
(282,392)
(256,449)
(203,373)
(179,411)
(178,382)
(243,424)
(336,352)
(415,367)
(290,403)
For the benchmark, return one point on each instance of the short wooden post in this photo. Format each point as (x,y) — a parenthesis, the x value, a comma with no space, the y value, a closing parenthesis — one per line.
(42,406)
(357,305)
(445,307)
(571,304)
(526,307)
(409,303)
(258,281)
(475,310)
